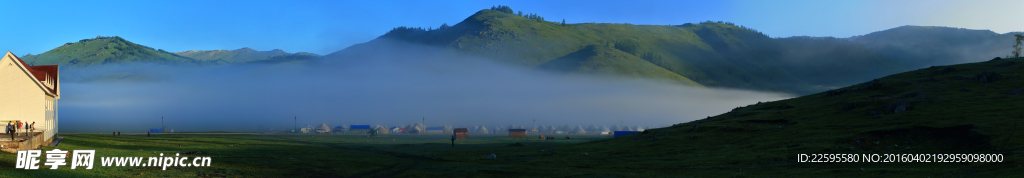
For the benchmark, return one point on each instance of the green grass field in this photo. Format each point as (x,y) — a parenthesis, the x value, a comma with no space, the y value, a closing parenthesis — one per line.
(323,156)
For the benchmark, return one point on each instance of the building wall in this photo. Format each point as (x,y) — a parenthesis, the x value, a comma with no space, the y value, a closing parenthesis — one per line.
(461,135)
(517,134)
(22,99)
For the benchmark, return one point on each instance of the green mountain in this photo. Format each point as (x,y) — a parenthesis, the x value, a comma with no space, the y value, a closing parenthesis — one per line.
(921,46)
(716,54)
(607,60)
(106,50)
(232,56)
(970,108)
(286,58)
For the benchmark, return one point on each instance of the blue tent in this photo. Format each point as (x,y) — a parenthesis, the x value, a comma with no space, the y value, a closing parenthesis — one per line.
(621,133)
(354,127)
(155,130)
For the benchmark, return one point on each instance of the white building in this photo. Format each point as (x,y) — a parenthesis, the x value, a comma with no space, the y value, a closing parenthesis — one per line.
(29,94)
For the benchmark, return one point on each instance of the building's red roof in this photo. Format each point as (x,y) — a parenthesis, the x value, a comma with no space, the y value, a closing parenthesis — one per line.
(40,72)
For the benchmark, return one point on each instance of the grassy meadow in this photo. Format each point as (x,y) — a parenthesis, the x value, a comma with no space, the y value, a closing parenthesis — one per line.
(257,155)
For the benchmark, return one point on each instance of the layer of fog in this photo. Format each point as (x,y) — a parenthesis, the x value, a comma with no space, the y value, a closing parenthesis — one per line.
(387,89)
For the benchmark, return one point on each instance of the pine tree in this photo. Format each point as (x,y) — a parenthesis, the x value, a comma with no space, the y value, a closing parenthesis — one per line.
(563,22)
(1016,47)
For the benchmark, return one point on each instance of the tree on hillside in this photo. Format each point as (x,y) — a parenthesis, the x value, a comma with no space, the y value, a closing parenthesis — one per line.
(563,22)
(1016,47)
(502,8)
(520,13)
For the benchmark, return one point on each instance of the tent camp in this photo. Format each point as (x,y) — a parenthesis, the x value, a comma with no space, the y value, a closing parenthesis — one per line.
(338,129)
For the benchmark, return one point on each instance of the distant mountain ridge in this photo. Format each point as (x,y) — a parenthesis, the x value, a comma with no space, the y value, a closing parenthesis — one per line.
(712,54)
(232,56)
(717,54)
(922,46)
(115,50)
(106,50)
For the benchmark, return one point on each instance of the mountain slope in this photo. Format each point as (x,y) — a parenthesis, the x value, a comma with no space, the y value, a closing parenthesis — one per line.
(106,50)
(232,56)
(610,61)
(711,53)
(960,109)
(923,46)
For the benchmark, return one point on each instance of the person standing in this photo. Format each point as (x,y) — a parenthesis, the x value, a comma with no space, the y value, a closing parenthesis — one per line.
(118,133)
(453,140)
(147,133)
(33,126)
(17,127)
(10,127)
(7,129)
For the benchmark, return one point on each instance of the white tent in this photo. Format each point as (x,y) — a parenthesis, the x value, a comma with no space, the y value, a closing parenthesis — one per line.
(638,128)
(447,129)
(382,130)
(410,128)
(323,128)
(578,130)
(483,130)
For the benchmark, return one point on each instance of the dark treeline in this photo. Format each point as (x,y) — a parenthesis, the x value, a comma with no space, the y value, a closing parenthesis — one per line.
(506,9)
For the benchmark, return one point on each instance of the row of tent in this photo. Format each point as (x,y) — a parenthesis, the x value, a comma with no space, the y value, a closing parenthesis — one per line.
(419,128)
(379,129)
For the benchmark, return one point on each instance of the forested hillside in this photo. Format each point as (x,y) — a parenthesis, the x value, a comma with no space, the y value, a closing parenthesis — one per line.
(717,54)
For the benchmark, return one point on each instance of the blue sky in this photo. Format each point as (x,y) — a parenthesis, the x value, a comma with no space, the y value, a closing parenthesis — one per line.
(323,27)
